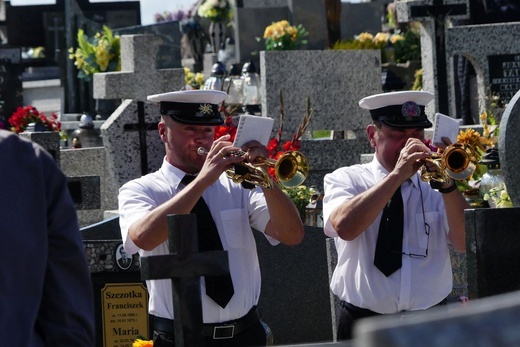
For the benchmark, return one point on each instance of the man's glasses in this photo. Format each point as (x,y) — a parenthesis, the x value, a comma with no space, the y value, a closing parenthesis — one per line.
(426,231)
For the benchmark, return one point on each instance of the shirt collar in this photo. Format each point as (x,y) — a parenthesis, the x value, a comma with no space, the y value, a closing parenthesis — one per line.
(380,172)
(172,174)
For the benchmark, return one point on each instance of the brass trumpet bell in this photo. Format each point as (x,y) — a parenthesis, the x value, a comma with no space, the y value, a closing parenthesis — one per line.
(458,162)
(291,169)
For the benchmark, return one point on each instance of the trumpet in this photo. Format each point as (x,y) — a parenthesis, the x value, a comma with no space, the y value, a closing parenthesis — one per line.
(291,169)
(458,162)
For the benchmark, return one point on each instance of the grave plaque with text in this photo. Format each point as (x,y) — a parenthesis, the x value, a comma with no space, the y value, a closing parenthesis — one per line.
(504,75)
(125,313)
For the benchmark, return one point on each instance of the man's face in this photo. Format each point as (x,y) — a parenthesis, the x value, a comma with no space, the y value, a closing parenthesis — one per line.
(388,142)
(182,142)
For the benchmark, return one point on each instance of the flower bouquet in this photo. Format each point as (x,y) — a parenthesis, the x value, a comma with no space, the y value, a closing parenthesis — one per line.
(216,10)
(193,80)
(101,53)
(498,197)
(283,36)
(23,116)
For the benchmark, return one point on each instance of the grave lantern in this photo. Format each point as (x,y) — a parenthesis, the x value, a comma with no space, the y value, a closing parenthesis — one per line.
(233,86)
(86,135)
(214,82)
(251,88)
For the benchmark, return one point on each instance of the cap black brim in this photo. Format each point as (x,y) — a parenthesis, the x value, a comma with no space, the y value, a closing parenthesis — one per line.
(408,125)
(209,122)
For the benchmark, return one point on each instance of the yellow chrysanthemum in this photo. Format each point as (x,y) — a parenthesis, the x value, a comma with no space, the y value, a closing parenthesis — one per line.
(396,38)
(365,37)
(199,78)
(470,137)
(142,343)
(381,38)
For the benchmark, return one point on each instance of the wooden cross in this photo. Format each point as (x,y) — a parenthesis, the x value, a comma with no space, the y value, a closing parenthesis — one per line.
(439,12)
(184,266)
(142,127)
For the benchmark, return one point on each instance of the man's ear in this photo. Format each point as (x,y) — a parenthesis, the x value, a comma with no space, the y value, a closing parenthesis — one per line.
(371,134)
(161,127)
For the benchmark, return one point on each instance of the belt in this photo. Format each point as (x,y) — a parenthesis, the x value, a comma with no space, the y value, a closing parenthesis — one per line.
(358,312)
(225,330)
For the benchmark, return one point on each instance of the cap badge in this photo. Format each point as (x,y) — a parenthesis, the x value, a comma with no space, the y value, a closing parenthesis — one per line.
(410,109)
(206,109)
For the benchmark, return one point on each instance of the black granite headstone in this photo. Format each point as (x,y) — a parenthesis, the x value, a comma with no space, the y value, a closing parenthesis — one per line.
(504,75)
(169,51)
(11,91)
(493,251)
(120,296)
(439,12)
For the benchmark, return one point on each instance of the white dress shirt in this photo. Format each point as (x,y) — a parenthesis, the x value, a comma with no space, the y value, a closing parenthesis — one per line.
(422,281)
(234,209)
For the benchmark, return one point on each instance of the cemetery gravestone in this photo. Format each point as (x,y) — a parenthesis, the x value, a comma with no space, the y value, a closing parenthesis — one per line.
(371,12)
(495,60)
(508,142)
(334,81)
(84,189)
(485,322)
(137,79)
(250,21)
(168,36)
(295,296)
(91,162)
(120,297)
(11,91)
(433,17)
(493,251)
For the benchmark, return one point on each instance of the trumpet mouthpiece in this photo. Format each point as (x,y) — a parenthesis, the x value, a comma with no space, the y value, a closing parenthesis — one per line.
(201,151)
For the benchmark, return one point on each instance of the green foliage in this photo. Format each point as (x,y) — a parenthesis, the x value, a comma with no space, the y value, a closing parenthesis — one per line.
(409,48)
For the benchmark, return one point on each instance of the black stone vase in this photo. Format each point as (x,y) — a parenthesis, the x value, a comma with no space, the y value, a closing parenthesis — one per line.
(105,108)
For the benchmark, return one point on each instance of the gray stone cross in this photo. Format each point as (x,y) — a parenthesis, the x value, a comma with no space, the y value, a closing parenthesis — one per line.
(138,77)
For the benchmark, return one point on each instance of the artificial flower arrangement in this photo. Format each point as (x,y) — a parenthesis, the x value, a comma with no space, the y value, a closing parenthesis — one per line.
(482,143)
(100,53)
(23,116)
(498,196)
(193,80)
(283,36)
(216,10)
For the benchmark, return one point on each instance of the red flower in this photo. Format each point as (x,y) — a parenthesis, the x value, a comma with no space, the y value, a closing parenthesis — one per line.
(23,116)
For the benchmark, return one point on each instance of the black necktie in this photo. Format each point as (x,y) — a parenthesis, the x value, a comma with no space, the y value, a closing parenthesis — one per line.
(388,257)
(218,288)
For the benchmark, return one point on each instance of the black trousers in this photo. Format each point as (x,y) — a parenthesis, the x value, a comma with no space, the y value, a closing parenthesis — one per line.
(248,330)
(254,336)
(350,314)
